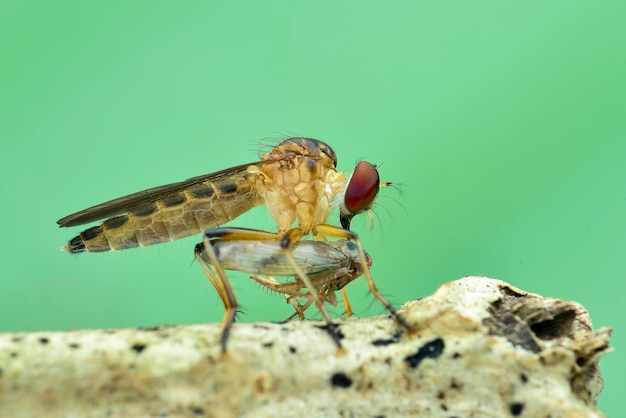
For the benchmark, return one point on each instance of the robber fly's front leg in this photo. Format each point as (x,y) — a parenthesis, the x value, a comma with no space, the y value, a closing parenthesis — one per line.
(330,231)
(286,241)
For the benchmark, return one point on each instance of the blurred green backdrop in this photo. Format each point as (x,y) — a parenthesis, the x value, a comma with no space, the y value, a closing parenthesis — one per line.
(505,125)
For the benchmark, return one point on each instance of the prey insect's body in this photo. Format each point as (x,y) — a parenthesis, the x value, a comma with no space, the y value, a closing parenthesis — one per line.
(297,181)
(319,288)
(330,266)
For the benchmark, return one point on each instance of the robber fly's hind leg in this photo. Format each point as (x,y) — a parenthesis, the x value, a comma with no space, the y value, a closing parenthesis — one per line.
(290,237)
(206,257)
(335,232)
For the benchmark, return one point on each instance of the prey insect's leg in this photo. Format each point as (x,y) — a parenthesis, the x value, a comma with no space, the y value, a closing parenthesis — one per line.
(289,290)
(335,232)
(320,268)
(299,308)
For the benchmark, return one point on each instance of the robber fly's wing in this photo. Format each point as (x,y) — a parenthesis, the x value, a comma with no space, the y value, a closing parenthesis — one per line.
(125,203)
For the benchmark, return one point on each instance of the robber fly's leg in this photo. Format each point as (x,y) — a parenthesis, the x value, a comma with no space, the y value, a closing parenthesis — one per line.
(335,232)
(205,255)
(208,260)
(287,239)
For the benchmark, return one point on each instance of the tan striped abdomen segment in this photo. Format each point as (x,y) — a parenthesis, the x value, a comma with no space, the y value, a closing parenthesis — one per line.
(179,214)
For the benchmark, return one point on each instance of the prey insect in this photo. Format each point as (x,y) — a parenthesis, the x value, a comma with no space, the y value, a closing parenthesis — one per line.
(330,266)
(320,275)
(297,181)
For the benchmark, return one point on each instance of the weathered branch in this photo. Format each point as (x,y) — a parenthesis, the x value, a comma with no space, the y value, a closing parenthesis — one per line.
(482,348)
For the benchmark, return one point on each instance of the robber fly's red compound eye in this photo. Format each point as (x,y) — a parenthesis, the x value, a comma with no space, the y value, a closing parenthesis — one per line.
(362,188)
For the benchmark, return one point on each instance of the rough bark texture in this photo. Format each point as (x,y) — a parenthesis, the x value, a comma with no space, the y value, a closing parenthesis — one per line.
(481,348)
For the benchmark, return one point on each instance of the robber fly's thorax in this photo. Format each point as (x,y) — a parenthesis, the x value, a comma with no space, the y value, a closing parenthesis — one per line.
(302,186)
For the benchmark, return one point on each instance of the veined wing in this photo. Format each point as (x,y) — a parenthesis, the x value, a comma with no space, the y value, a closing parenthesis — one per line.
(315,258)
(123,204)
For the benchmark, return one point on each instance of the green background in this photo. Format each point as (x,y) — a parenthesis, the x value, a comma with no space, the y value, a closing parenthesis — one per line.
(504,124)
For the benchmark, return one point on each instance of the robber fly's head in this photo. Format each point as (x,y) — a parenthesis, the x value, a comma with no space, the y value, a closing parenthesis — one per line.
(308,147)
(360,192)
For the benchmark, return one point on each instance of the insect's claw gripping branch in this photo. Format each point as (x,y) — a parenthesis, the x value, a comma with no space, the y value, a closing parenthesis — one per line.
(227,322)
(400,319)
(335,333)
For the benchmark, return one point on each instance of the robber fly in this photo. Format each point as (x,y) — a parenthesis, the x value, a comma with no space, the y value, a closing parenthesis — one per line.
(297,181)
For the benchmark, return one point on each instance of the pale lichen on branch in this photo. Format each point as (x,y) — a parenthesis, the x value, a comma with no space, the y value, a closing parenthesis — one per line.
(482,348)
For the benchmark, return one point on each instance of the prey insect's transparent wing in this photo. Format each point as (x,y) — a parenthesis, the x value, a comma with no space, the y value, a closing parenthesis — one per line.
(316,258)
(329,266)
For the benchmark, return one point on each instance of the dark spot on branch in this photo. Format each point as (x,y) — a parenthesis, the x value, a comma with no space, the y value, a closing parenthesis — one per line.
(341,380)
(196,410)
(383,342)
(516,408)
(138,347)
(154,328)
(333,330)
(432,349)
(44,340)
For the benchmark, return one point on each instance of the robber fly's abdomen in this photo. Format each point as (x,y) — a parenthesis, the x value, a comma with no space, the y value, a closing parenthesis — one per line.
(177,215)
